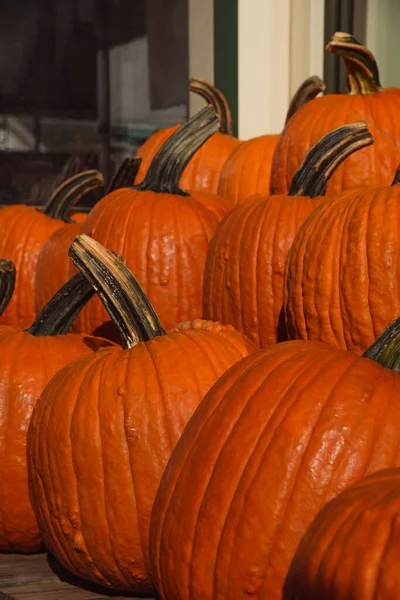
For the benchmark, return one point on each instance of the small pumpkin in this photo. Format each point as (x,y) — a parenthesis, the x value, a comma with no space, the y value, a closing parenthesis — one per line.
(366,101)
(351,549)
(161,231)
(203,170)
(247,170)
(243,278)
(24,231)
(340,283)
(29,359)
(279,435)
(53,264)
(111,421)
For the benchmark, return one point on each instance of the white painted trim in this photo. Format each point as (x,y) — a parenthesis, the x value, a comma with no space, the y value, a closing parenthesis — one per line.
(201,46)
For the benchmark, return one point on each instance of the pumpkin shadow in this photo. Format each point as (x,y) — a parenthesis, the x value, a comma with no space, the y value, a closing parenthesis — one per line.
(94,588)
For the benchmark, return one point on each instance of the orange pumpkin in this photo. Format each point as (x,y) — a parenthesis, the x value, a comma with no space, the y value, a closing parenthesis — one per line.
(247,170)
(53,264)
(111,421)
(280,434)
(366,101)
(29,359)
(342,270)
(162,232)
(24,231)
(351,549)
(243,278)
(203,170)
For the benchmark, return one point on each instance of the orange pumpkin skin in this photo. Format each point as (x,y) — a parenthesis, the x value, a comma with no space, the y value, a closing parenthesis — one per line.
(247,171)
(203,171)
(164,240)
(53,265)
(114,445)
(78,217)
(351,548)
(28,363)
(279,435)
(23,233)
(341,273)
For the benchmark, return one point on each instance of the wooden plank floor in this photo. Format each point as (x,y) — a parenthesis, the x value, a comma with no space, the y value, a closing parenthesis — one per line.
(39,576)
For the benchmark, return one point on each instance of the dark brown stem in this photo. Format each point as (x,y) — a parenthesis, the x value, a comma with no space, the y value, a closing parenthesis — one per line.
(7,283)
(61,311)
(361,67)
(70,192)
(309,89)
(326,155)
(385,349)
(125,175)
(215,97)
(118,289)
(396,179)
(170,161)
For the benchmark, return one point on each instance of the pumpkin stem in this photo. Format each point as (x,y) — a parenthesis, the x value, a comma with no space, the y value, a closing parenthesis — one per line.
(215,97)
(125,175)
(7,283)
(61,311)
(70,192)
(396,179)
(170,161)
(325,156)
(385,349)
(361,67)
(118,289)
(309,89)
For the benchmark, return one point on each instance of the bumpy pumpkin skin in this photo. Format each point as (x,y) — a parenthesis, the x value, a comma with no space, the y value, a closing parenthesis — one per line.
(369,167)
(28,363)
(243,278)
(164,240)
(351,549)
(204,169)
(95,513)
(23,233)
(247,171)
(342,270)
(280,434)
(53,265)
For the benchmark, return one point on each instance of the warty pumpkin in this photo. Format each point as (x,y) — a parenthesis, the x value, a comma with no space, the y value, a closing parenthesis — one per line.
(243,278)
(53,264)
(351,549)
(366,101)
(161,231)
(112,421)
(340,283)
(29,359)
(280,434)
(247,170)
(24,231)
(203,170)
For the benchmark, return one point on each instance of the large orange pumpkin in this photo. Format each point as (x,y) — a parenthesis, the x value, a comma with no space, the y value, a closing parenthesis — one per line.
(162,232)
(53,264)
(366,101)
(204,168)
(247,170)
(29,359)
(243,278)
(341,276)
(111,421)
(351,549)
(279,435)
(24,231)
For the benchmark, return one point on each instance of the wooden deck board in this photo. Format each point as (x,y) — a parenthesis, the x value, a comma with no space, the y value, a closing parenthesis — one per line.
(37,577)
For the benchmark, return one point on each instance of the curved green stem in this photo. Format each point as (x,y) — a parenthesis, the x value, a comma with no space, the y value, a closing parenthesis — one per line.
(216,99)
(125,175)
(386,348)
(7,283)
(325,156)
(118,289)
(70,192)
(309,89)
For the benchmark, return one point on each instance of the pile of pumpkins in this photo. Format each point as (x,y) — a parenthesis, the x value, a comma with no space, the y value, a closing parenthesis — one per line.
(200,388)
